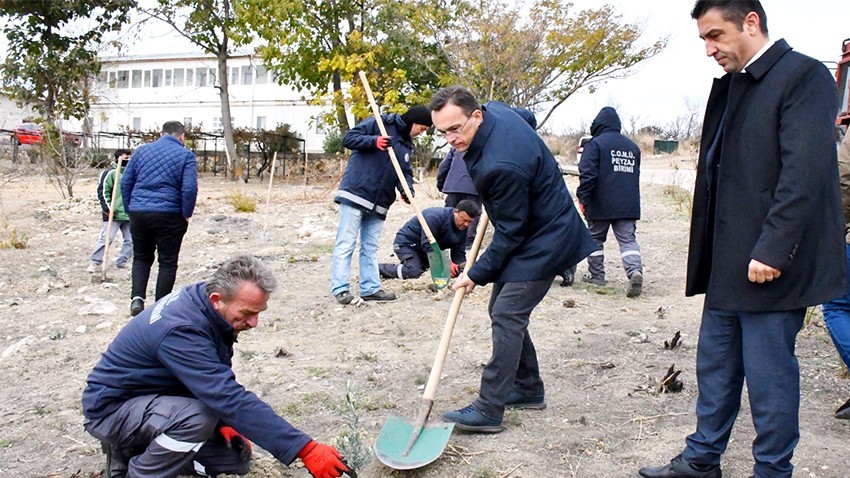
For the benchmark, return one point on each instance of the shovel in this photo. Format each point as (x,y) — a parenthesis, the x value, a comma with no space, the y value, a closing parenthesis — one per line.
(268,199)
(404,445)
(439,264)
(102,277)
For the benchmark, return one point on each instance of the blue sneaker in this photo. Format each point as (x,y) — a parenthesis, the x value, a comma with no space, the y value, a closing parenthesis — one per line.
(471,420)
(533,402)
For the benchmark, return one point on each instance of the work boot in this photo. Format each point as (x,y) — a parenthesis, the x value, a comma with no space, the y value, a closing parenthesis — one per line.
(593,280)
(471,420)
(525,402)
(93,267)
(635,285)
(380,295)
(680,468)
(121,265)
(344,297)
(843,411)
(569,277)
(137,305)
(116,461)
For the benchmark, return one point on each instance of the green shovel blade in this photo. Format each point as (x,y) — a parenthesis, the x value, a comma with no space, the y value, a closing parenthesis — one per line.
(395,436)
(441,266)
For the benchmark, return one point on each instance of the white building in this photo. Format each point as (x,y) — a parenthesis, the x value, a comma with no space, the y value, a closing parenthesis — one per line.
(143,92)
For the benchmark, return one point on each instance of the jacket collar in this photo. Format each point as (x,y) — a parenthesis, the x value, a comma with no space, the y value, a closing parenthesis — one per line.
(761,66)
(481,136)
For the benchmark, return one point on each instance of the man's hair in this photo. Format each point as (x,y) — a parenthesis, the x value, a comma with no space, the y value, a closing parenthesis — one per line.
(732,11)
(174,128)
(120,152)
(469,207)
(456,95)
(228,279)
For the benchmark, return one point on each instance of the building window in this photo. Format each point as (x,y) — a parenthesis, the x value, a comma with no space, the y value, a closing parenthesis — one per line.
(178,76)
(190,76)
(262,75)
(234,76)
(213,77)
(201,77)
(136,81)
(168,76)
(113,83)
(261,122)
(146,82)
(187,123)
(247,75)
(122,80)
(321,128)
(156,78)
(103,78)
(137,124)
(217,124)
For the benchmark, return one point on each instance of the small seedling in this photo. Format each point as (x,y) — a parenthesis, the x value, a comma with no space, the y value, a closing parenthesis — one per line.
(242,202)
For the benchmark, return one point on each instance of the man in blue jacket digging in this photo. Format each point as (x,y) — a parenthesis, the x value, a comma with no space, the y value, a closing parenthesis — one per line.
(538,234)
(367,190)
(163,400)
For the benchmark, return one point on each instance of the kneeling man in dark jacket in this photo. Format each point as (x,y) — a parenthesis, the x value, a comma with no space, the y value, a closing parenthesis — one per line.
(164,401)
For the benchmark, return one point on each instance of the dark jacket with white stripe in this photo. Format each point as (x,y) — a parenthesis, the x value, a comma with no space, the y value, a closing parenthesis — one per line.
(609,172)
(370,181)
(182,347)
(441,221)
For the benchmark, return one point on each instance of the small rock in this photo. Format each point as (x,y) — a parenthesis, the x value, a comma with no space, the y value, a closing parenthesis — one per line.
(569,303)
(81,329)
(103,325)
(45,288)
(640,339)
(281,352)
(97,307)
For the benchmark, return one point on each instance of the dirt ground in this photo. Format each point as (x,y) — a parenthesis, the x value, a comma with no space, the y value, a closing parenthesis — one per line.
(601,354)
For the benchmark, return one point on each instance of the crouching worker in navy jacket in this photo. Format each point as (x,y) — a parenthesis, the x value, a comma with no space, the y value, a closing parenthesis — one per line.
(411,246)
(164,401)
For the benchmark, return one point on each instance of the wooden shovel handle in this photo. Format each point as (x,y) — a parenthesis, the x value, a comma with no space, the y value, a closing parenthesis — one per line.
(377,114)
(115,183)
(445,340)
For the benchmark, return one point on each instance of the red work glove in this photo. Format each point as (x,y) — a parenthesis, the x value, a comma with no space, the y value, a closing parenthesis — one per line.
(236,441)
(455,270)
(383,142)
(323,461)
(581,208)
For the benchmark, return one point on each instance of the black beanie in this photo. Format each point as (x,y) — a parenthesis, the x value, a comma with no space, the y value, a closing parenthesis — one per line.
(417,114)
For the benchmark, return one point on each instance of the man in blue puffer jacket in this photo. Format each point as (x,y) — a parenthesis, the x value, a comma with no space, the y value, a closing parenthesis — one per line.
(163,399)
(160,187)
(609,193)
(365,194)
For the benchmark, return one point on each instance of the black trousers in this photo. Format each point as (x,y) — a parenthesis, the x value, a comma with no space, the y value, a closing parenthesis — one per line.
(157,233)
(513,365)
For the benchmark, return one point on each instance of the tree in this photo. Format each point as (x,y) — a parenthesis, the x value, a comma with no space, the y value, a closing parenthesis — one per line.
(209,24)
(49,63)
(312,44)
(540,55)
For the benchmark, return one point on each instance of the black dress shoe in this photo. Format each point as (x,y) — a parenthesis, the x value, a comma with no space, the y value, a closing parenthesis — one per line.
(137,305)
(680,468)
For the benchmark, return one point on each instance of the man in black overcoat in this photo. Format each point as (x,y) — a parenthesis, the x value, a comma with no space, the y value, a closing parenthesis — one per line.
(766,235)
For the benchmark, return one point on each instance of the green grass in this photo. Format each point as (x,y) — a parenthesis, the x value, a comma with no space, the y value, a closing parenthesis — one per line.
(242,202)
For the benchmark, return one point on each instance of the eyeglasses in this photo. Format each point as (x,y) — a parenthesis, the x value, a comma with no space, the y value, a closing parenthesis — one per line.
(453,131)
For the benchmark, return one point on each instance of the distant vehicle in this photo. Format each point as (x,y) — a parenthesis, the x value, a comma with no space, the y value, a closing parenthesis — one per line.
(31,133)
(581,142)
